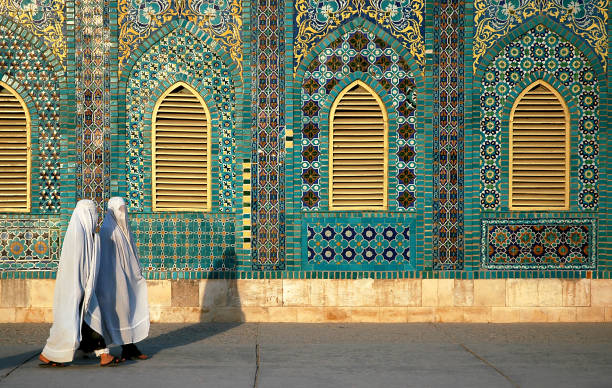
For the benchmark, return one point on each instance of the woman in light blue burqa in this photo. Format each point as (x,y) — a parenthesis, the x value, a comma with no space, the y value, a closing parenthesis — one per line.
(74,288)
(121,313)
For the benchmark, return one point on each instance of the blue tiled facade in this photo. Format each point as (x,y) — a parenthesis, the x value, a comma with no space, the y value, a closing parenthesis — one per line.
(447,73)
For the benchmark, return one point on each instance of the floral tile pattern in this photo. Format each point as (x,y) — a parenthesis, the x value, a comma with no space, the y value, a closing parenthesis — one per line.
(182,244)
(538,244)
(368,244)
(403,19)
(586,18)
(138,19)
(29,244)
(46,19)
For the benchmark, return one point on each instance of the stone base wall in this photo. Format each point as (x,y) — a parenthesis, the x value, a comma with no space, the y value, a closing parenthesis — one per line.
(363,300)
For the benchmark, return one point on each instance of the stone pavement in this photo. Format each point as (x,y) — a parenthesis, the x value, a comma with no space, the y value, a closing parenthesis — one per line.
(331,355)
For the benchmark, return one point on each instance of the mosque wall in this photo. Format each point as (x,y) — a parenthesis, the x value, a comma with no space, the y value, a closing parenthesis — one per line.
(447,76)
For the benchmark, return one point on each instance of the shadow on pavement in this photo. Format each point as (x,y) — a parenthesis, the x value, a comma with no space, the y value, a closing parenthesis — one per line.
(8,363)
(220,302)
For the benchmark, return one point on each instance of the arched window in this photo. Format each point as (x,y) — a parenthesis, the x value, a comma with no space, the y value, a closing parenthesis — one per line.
(539,150)
(181,151)
(358,150)
(14,152)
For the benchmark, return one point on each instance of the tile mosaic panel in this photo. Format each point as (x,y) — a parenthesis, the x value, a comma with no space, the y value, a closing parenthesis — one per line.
(221,20)
(539,50)
(93,100)
(268,146)
(45,19)
(185,243)
(586,18)
(173,57)
(366,244)
(404,20)
(25,67)
(28,244)
(539,244)
(448,135)
(358,51)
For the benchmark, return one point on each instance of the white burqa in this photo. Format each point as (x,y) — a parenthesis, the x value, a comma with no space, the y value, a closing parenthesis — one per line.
(75,282)
(122,310)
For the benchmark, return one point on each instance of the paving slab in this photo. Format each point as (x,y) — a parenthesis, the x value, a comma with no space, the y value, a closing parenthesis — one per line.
(331,355)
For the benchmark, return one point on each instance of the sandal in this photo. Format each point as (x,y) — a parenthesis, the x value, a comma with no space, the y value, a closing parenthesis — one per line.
(46,363)
(113,362)
(131,352)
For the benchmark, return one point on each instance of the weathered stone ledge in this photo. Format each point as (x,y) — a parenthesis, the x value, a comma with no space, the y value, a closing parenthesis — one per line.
(361,300)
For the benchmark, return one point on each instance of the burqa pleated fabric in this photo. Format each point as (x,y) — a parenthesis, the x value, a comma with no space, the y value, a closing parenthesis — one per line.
(122,310)
(75,282)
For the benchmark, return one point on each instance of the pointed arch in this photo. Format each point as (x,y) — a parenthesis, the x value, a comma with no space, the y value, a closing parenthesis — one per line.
(181,151)
(358,157)
(352,24)
(559,29)
(15,151)
(539,156)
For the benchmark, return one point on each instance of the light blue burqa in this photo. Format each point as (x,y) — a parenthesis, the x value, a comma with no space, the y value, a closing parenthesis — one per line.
(121,313)
(75,282)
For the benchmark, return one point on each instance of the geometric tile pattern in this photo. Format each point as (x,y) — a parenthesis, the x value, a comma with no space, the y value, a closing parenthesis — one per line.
(404,20)
(178,243)
(367,244)
(538,244)
(29,244)
(93,100)
(221,20)
(586,18)
(45,19)
(539,50)
(25,65)
(363,51)
(179,54)
(268,137)
(448,133)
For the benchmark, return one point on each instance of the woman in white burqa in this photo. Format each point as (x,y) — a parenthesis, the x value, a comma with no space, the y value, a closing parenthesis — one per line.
(74,286)
(121,313)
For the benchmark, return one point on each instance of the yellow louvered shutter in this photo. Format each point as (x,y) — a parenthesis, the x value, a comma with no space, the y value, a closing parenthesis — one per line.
(358,150)
(181,151)
(14,152)
(539,150)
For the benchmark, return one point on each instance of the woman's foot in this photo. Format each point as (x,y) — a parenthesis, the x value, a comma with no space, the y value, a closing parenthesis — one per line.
(108,359)
(46,363)
(131,352)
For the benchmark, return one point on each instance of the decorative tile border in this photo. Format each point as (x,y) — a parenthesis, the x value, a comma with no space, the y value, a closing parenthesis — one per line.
(268,100)
(448,136)
(93,101)
(539,244)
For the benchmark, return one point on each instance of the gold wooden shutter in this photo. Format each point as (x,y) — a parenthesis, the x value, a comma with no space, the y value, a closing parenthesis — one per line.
(181,151)
(539,150)
(358,150)
(14,152)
